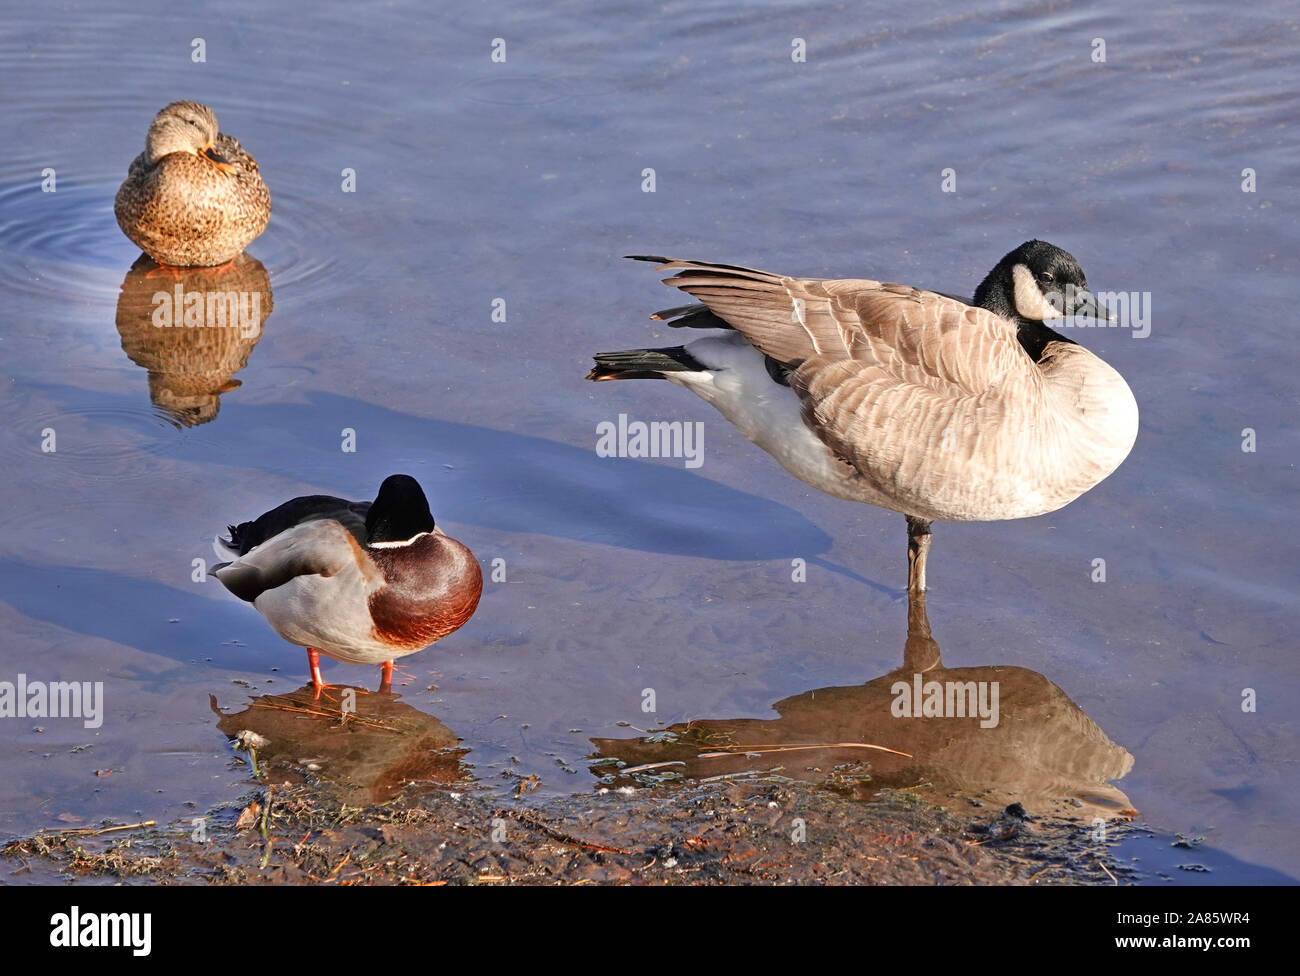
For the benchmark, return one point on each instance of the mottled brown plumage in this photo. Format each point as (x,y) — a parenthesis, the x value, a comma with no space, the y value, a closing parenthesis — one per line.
(167,325)
(194,197)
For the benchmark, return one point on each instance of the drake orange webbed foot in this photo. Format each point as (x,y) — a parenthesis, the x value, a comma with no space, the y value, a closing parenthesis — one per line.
(317,682)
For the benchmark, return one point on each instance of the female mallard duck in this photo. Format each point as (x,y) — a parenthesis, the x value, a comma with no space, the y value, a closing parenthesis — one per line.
(907,399)
(193,198)
(362,582)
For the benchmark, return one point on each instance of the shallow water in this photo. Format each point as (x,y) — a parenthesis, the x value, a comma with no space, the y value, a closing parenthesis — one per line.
(522,181)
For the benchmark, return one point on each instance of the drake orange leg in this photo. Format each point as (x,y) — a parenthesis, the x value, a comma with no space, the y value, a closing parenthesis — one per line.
(386,682)
(313,665)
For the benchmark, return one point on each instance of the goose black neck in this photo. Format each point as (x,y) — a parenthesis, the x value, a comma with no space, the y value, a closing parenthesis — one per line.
(1034,337)
(996,294)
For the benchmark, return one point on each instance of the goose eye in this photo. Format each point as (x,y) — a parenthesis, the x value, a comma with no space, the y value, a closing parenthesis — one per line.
(1046,277)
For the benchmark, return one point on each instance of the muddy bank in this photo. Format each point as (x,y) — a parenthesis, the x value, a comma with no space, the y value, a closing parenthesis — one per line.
(362,788)
(769,831)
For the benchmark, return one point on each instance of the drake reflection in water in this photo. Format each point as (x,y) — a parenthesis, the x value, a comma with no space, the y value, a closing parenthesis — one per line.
(994,734)
(367,745)
(193,329)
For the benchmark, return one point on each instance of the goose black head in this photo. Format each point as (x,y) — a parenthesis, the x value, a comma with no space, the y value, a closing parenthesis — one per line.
(399,512)
(1037,282)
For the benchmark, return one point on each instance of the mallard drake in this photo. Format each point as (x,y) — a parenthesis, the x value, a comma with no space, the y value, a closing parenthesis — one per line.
(194,197)
(907,399)
(361,582)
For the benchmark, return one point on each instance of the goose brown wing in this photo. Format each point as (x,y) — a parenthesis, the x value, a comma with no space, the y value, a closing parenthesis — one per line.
(883,370)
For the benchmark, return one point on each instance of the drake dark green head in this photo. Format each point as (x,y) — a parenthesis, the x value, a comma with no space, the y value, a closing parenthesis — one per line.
(399,512)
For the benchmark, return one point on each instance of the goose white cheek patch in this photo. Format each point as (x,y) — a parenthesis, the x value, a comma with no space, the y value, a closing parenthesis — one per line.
(1030,301)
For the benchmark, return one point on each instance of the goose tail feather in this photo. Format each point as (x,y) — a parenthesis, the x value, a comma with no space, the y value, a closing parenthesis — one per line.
(644,364)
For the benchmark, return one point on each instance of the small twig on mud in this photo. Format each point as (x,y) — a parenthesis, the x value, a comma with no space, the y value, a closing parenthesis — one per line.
(759,750)
(93,831)
(1114,880)
(560,835)
(728,777)
(649,766)
(266,813)
(275,705)
(339,867)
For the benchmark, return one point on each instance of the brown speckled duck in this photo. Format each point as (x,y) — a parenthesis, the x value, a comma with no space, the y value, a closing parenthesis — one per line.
(362,582)
(194,197)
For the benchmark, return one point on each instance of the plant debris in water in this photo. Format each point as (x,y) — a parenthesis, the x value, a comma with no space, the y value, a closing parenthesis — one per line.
(767,830)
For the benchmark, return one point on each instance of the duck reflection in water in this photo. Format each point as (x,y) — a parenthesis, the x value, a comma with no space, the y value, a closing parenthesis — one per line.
(193,329)
(367,745)
(995,734)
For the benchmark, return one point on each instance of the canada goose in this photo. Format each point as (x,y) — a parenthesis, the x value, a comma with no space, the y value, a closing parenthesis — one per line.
(362,582)
(194,197)
(906,399)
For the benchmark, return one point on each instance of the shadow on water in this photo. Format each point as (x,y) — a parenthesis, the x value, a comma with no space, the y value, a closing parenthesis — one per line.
(492,478)
(156,619)
(994,734)
(368,754)
(193,329)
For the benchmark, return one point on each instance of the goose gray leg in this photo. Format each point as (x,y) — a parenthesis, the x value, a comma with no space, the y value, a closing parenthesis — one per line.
(918,546)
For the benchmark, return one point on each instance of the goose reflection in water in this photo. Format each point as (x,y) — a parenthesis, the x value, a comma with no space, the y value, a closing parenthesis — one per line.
(368,754)
(996,734)
(193,329)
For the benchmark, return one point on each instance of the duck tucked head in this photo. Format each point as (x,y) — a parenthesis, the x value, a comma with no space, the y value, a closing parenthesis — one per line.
(186,127)
(1037,281)
(398,514)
